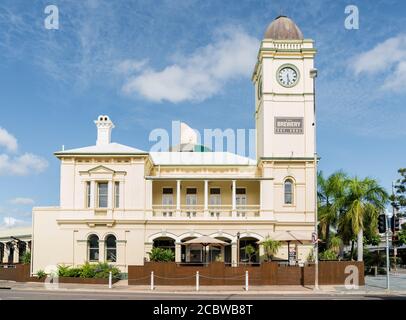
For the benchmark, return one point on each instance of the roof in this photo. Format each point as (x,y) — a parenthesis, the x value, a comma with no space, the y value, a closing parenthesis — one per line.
(283,28)
(15,232)
(200,158)
(110,148)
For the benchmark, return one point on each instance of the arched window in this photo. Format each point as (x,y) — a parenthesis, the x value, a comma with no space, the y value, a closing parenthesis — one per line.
(93,247)
(111,248)
(288,190)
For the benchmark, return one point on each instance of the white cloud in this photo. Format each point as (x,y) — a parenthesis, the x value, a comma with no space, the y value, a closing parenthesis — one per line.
(387,57)
(21,165)
(7,140)
(397,81)
(22,201)
(130,66)
(200,75)
(10,222)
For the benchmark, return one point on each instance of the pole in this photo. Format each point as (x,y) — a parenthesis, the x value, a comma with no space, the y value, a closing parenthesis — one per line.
(394,223)
(110,279)
(152,280)
(387,254)
(246,280)
(197,280)
(313,74)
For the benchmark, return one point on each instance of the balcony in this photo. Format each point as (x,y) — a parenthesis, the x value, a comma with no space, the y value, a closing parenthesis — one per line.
(197,212)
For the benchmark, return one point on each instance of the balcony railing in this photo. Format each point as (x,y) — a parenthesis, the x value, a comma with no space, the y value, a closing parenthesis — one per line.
(213,212)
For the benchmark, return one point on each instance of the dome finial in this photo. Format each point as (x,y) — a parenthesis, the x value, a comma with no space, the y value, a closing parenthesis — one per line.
(283,28)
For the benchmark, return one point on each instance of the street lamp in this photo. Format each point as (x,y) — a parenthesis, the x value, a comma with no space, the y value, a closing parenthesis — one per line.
(313,75)
(238,249)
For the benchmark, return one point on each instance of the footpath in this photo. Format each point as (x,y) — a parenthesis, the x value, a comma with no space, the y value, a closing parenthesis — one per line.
(375,288)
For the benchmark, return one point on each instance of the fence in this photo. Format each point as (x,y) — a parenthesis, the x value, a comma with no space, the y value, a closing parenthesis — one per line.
(21,273)
(270,273)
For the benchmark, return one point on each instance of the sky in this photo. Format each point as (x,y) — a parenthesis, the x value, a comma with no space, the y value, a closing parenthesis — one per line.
(146,63)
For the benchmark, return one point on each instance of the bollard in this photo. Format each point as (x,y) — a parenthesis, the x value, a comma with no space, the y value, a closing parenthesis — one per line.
(246,280)
(110,279)
(152,280)
(197,280)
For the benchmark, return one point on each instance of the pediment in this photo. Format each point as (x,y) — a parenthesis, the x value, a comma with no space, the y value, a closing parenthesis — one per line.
(101,170)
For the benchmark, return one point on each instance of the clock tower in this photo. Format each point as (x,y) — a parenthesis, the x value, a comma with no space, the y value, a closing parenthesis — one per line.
(285,120)
(284,93)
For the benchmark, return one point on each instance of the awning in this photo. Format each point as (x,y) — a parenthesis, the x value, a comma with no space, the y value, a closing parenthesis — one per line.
(205,241)
(291,236)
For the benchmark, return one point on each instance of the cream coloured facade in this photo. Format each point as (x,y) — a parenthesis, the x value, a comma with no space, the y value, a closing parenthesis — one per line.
(117,202)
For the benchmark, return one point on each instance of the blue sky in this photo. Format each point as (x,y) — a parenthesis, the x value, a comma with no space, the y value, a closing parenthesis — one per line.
(108,57)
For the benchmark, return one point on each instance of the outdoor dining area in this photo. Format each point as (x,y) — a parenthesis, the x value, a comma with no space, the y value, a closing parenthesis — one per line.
(281,247)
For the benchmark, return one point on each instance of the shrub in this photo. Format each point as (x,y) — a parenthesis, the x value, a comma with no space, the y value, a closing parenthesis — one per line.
(41,274)
(100,270)
(63,270)
(87,271)
(26,258)
(161,255)
(328,255)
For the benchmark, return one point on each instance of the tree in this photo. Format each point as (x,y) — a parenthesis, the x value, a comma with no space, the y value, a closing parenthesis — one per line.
(250,251)
(271,247)
(398,199)
(330,195)
(364,201)
(335,244)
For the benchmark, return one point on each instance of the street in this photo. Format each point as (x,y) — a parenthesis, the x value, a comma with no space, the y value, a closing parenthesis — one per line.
(11,294)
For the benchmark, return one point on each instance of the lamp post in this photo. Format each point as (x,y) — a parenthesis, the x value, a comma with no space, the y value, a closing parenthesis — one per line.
(313,75)
(238,249)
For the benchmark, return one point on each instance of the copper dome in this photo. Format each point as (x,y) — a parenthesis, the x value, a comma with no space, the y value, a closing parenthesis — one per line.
(283,28)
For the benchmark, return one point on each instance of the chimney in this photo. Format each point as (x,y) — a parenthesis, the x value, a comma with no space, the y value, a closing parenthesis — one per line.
(104,127)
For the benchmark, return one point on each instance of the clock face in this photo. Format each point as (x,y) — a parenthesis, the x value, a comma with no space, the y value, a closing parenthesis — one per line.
(287,76)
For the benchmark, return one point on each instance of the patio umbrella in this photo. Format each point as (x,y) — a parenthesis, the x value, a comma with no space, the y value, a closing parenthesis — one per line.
(205,241)
(289,236)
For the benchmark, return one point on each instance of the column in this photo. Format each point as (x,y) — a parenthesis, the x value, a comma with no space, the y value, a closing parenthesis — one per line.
(5,252)
(261,251)
(148,196)
(234,254)
(178,198)
(16,253)
(147,247)
(178,252)
(234,209)
(102,256)
(92,193)
(206,198)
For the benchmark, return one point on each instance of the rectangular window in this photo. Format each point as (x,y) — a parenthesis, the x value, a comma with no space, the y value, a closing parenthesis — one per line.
(88,194)
(167,191)
(167,201)
(117,194)
(102,191)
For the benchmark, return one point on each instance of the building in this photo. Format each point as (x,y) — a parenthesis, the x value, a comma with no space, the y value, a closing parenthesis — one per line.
(14,243)
(118,202)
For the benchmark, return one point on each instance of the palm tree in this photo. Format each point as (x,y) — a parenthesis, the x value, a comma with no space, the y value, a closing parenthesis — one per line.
(271,247)
(330,195)
(364,201)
